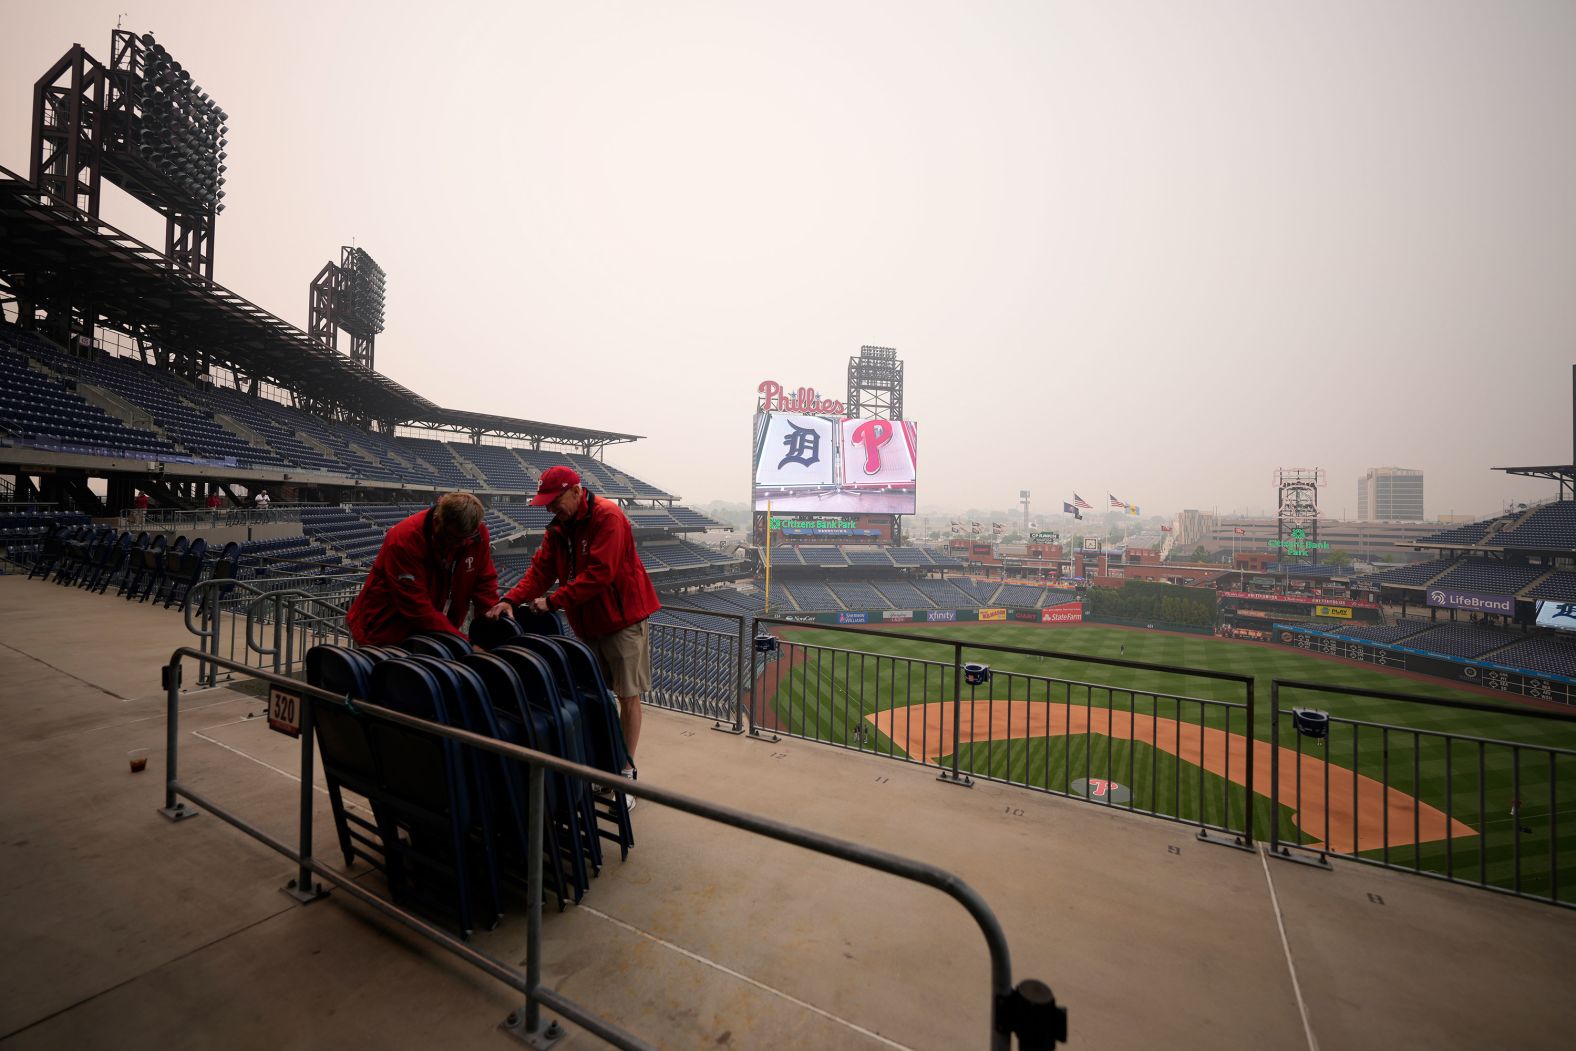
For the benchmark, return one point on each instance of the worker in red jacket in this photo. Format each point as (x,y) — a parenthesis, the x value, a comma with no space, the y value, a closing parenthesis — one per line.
(589,551)
(432,568)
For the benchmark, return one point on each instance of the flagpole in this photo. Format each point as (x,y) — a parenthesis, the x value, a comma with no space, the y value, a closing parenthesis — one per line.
(768,609)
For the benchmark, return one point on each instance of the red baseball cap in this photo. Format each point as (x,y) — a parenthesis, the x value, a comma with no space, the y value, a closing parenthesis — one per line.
(554,481)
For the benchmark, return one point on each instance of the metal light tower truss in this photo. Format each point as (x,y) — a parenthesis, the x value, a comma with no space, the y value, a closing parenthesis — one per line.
(875,384)
(348,295)
(144,125)
(67,132)
(1297,514)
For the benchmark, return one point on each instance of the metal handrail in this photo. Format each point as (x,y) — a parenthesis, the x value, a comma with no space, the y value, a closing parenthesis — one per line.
(1293,851)
(742,622)
(955,774)
(1026,1010)
(205,597)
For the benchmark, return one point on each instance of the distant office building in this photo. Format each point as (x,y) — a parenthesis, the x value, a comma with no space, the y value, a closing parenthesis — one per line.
(1390,494)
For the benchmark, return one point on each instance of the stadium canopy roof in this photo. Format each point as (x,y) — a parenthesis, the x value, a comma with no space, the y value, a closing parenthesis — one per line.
(1563,475)
(137,290)
(530,430)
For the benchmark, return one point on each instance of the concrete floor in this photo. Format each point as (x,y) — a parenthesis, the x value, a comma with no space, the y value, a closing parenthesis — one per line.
(125,930)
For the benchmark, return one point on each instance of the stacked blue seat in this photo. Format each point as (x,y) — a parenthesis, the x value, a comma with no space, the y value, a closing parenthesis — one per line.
(447,826)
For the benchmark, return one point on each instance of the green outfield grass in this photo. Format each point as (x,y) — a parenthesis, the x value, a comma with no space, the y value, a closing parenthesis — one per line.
(846,676)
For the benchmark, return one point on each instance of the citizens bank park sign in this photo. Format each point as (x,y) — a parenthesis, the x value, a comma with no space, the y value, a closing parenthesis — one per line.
(775,398)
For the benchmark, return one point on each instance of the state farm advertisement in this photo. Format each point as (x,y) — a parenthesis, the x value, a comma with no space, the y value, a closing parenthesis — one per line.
(1066,613)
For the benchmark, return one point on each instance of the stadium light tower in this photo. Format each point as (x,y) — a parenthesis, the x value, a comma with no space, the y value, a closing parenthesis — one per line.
(348,295)
(1297,515)
(142,123)
(875,384)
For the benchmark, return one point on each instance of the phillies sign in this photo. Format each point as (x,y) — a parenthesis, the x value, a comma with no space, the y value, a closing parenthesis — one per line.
(774,398)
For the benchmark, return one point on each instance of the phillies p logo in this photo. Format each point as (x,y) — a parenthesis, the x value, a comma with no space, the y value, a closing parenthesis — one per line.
(872,434)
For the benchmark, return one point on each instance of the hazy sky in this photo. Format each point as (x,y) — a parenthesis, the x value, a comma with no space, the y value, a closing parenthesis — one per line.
(1156,249)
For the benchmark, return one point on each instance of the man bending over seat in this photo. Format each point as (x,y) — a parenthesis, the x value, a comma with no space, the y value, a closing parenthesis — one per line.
(431,569)
(589,550)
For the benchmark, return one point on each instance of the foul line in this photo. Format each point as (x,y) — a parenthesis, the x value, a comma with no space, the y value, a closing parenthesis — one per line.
(1296,986)
(714,965)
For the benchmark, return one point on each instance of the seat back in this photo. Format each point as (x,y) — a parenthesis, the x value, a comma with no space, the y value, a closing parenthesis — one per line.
(546,647)
(533,623)
(605,730)
(426,646)
(341,736)
(487,632)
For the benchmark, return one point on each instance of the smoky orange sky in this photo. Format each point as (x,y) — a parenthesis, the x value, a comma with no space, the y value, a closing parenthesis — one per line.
(1156,249)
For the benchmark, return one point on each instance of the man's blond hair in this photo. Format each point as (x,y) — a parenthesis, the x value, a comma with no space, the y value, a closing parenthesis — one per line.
(458,514)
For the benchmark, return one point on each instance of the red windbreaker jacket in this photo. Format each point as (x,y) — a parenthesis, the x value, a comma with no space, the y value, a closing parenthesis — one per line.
(407,590)
(604,584)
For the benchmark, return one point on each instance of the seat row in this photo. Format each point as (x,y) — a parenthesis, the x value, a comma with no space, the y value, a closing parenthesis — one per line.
(448,822)
(143,566)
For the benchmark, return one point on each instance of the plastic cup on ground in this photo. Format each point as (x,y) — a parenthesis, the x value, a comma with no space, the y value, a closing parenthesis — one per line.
(138,758)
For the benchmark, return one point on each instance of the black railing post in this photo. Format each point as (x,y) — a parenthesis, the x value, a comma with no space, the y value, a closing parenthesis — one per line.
(303,888)
(1275,767)
(173,808)
(953,777)
(527,1024)
(1253,746)
(749,671)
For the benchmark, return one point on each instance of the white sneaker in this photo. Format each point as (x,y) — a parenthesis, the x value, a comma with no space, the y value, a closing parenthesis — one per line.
(629,800)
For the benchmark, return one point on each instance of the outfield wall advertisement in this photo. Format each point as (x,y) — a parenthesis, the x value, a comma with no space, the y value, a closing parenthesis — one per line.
(1517,681)
(810,464)
(1066,613)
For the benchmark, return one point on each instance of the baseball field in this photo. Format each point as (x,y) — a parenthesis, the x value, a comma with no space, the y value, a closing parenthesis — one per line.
(1482,796)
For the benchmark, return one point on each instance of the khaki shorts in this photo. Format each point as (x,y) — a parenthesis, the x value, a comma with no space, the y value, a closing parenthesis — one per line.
(625,657)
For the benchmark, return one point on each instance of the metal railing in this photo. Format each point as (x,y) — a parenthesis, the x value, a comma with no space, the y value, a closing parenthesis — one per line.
(1164,754)
(1026,1010)
(176,520)
(1452,804)
(700,671)
(266,623)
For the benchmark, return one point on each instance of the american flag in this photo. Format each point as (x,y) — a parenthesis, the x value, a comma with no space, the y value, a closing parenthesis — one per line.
(1117,503)
(1078,501)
